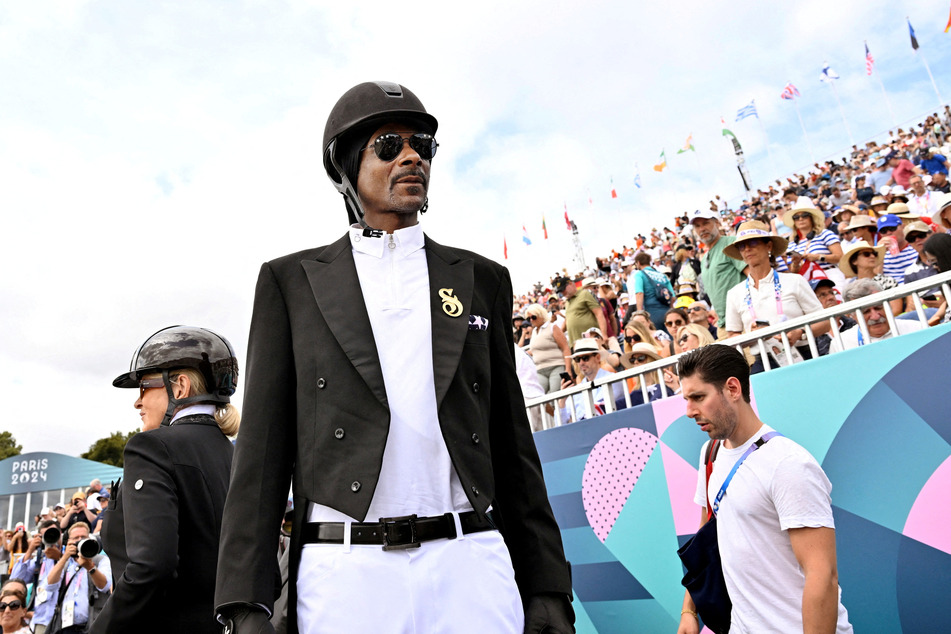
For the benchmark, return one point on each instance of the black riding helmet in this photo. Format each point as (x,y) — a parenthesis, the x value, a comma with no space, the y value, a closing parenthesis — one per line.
(179,347)
(353,118)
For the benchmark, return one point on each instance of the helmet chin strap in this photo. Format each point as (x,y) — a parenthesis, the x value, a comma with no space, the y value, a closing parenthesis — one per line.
(349,193)
(175,404)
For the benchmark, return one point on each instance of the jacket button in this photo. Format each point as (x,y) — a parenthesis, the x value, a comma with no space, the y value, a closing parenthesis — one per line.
(321,383)
(355,486)
(475,387)
(338,433)
(475,439)
(475,491)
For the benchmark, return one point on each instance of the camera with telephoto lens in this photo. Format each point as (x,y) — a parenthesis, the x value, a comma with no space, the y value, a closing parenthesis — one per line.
(51,536)
(88,548)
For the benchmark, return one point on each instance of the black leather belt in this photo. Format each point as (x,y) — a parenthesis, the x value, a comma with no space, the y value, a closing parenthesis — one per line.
(397,533)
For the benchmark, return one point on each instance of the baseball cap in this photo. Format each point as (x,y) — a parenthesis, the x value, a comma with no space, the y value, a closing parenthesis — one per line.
(816,284)
(703,214)
(889,220)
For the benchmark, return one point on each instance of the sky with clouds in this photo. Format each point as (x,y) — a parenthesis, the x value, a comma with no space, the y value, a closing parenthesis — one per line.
(153,155)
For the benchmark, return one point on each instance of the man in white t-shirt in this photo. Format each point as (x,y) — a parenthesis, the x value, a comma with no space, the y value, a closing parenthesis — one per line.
(875,319)
(774,525)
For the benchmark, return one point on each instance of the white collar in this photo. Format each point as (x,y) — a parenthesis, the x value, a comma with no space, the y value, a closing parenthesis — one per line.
(193,410)
(404,241)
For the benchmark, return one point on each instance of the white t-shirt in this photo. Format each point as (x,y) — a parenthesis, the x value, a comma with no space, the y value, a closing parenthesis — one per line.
(778,487)
(796,299)
(850,338)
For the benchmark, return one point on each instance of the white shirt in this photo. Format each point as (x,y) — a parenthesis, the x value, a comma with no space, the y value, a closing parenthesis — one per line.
(850,336)
(796,300)
(924,205)
(417,475)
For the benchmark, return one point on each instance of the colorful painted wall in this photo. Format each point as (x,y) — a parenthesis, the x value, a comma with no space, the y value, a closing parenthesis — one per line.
(877,419)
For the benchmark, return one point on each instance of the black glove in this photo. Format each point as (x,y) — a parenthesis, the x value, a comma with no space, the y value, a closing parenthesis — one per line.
(247,620)
(548,614)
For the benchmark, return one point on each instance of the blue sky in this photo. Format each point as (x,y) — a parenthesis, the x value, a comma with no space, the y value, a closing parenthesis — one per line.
(153,155)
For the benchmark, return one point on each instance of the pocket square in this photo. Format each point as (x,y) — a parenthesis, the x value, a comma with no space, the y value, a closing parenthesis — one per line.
(478,323)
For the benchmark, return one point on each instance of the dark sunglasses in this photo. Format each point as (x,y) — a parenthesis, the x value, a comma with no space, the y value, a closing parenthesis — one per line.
(695,309)
(634,337)
(13,605)
(802,216)
(915,237)
(884,231)
(638,358)
(532,317)
(868,253)
(388,146)
(683,339)
(584,357)
(674,323)
(148,384)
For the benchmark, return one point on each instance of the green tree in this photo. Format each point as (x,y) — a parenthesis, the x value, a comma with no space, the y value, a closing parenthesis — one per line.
(109,450)
(9,446)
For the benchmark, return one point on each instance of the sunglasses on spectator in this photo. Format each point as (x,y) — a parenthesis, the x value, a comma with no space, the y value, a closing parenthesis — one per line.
(532,317)
(148,384)
(684,339)
(867,253)
(585,357)
(634,337)
(678,322)
(887,230)
(638,358)
(13,605)
(695,309)
(915,237)
(388,146)
(801,216)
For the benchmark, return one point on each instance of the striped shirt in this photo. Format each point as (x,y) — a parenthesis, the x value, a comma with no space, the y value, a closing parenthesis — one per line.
(896,265)
(819,245)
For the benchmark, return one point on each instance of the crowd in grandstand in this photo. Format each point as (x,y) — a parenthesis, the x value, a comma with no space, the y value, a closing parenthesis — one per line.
(869,222)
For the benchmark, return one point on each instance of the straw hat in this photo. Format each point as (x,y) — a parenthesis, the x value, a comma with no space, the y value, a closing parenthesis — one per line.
(901,210)
(754,230)
(878,200)
(638,349)
(586,346)
(944,211)
(854,248)
(862,221)
(838,213)
(804,204)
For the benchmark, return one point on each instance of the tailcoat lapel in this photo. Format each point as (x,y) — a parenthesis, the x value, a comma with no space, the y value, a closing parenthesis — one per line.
(448,271)
(336,287)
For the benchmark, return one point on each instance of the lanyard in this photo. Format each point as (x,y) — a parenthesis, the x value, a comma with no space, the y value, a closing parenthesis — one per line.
(777,290)
(756,445)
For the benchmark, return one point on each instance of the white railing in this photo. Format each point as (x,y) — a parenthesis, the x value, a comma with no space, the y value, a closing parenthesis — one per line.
(585,391)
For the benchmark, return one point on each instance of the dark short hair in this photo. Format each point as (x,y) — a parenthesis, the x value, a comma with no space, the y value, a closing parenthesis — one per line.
(939,246)
(642,257)
(715,364)
(46,524)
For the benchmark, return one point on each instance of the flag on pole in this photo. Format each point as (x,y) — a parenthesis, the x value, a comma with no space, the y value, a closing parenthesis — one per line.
(789,92)
(688,145)
(567,222)
(663,162)
(828,75)
(911,31)
(525,236)
(947,28)
(505,248)
(637,176)
(748,110)
(544,228)
(613,191)
(869,60)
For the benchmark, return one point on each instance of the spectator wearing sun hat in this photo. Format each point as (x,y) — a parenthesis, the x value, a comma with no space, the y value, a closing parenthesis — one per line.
(642,354)
(863,261)
(863,227)
(588,355)
(812,241)
(899,254)
(767,296)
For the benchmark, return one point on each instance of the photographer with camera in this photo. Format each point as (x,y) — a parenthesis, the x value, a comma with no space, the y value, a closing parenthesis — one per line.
(43,551)
(77,512)
(78,583)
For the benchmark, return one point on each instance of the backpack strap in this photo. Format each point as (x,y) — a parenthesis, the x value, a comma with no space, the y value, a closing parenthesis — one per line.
(712,448)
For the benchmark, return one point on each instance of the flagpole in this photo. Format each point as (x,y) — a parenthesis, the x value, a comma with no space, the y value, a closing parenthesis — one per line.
(933,84)
(835,91)
(888,102)
(803,126)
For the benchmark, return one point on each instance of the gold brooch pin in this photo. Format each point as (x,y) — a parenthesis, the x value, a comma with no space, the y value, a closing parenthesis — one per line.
(450,305)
